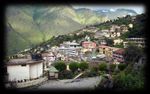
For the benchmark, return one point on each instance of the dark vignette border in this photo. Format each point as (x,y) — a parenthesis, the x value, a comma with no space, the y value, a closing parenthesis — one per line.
(6,3)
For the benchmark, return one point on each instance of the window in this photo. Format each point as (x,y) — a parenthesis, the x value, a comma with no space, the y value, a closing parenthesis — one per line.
(23,65)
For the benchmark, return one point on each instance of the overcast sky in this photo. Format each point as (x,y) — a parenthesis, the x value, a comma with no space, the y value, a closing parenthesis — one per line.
(138,8)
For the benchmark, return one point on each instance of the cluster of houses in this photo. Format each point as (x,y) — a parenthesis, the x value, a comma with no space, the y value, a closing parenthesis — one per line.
(30,67)
(113,32)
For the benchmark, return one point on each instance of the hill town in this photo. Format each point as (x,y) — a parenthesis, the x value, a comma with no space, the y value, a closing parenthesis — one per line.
(108,55)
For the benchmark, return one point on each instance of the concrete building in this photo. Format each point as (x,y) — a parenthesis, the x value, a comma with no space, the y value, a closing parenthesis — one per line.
(117,41)
(140,42)
(53,73)
(24,69)
(70,49)
(112,34)
(107,50)
(124,28)
(88,46)
(118,55)
(48,58)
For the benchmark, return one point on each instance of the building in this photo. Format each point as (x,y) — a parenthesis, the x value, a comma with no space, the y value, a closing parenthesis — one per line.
(123,28)
(140,42)
(118,55)
(53,73)
(117,41)
(24,69)
(90,29)
(112,34)
(48,58)
(130,25)
(107,50)
(88,46)
(99,34)
(114,28)
(115,31)
(70,49)
(103,42)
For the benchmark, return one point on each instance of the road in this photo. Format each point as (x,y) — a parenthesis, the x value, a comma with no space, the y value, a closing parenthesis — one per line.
(82,83)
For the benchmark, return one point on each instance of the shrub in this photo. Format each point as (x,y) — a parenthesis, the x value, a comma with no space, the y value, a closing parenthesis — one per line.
(95,69)
(83,66)
(128,81)
(66,74)
(102,67)
(112,67)
(122,66)
(61,66)
(73,66)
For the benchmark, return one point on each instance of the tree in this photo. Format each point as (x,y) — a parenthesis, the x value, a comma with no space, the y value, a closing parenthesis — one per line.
(128,81)
(109,42)
(132,53)
(83,66)
(122,66)
(103,67)
(73,66)
(61,66)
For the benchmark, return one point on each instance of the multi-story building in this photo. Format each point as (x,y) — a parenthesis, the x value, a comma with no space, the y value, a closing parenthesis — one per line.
(88,46)
(107,50)
(118,55)
(48,57)
(70,49)
(140,42)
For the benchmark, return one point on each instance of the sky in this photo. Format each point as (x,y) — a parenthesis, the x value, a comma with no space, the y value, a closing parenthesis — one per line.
(138,8)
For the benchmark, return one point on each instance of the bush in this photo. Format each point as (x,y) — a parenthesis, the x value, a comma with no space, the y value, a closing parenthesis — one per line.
(83,66)
(61,66)
(128,81)
(112,67)
(73,66)
(66,74)
(122,66)
(95,69)
(102,67)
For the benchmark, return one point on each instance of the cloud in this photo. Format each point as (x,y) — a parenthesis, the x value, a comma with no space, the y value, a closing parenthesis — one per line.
(138,8)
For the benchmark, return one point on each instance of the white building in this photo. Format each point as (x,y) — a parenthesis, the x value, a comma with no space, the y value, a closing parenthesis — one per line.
(140,42)
(24,69)
(118,41)
(70,48)
(49,57)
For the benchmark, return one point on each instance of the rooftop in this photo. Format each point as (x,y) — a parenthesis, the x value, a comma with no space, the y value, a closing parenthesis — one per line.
(71,43)
(135,38)
(53,69)
(22,61)
(119,51)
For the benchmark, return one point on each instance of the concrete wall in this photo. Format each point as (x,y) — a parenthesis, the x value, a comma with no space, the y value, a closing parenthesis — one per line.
(18,72)
(31,83)
(36,70)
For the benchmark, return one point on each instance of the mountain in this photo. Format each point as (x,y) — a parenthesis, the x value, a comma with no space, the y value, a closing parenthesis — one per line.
(87,16)
(114,13)
(37,24)
(28,26)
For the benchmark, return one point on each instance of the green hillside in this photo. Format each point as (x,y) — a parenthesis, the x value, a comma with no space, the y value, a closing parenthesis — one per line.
(87,16)
(32,25)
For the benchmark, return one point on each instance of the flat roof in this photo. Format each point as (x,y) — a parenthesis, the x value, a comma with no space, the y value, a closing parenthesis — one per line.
(22,61)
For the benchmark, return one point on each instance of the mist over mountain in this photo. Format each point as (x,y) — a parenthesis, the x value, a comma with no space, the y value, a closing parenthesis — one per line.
(28,26)
(114,13)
